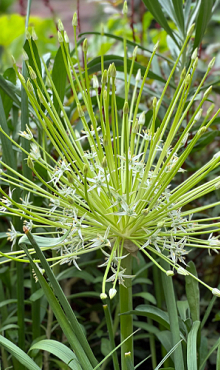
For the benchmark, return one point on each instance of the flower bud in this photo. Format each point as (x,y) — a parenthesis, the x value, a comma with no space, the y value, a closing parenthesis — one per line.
(30,86)
(33,34)
(195,63)
(216,155)
(182,271)
(112,70)
(217,185)
(70,200)
(135,127)
(105,141)
(104,77)
(216,292)
(66,38)
(21,77)
(32,73)
(211,64)
(24,55)
(126,108)
(169,273)
(85,45)
(85,169)
(74,20)
(104,163)
(103,296)
(155,47)
(80,110)
(183,74)
(60,25)
(135,51)
(27,34)
(160,224)
(60,37)
(40,96)
(194,54)
(190,31)
(210,110)
(70,178)
(105,94)
(202,130)
(198,115)
(154,102)
(141,120)
(138,75)
(30,163)
(207,92)
(125,8)
(112,293)
(95,82)
(187,79)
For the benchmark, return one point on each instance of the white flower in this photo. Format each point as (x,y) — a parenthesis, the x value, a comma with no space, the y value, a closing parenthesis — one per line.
(216,292)
(101,241)
(26,134)
(12,235)
(112,292)
(35,151)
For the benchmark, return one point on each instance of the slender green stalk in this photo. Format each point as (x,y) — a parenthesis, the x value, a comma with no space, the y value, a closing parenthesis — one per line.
(111,335)
(126,321)
(173,316)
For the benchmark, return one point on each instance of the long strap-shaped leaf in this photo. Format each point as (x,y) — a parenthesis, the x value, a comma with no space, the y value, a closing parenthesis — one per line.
(63,301)
(191,347)
(20,355)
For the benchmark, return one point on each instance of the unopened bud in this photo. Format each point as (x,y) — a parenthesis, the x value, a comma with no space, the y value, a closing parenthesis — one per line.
(211,64)
(24,55)
(182,271)
(103,296)
(202,130)
(210,110)
(216,292)
(80,110)
(33,34)
(217,185)
(70,200)
(195,63)
(126,108)
(30,86)
(85,169)
(104,163)
(70,178)
(216,155)
(66,38)
(135,127)
(141,120)
(40,96)
(160,224)
(145,211)
(194,54)
(198,115)
(183,74)
(105,94)
(207,92)
(112,70)
(154,102)
(135,51)
(60,37)
(112,293)
(104,77)
(155,47)
(169,273)
(21,77)
(190,31)
(32,73)
(95,82)
(138,75)
(60,25)
(74,20)
(187,79)
(125,8)
(85,45)
(27,34)
(30,163)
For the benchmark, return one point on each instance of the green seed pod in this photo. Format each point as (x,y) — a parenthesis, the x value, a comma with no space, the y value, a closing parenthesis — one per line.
(70,178)
(85,45)
(126,108)
(74,20)
(32,73)
(105,141)
(104,163)
(21,77)
(30,86)
(104,77)
(85,169)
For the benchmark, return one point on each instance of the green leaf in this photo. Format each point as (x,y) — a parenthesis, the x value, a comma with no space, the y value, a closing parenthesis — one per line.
(168,355)
(148,296)
(153,313)
(183,308)
(9,75)
(205,140)
(218,359)
(192,347)
(31,60)
(156,10)
(95,66)
(178,11)
(203,18)
(192,292)
(8,327)
(203,350)
(36,295)
(20,355)
(59,350)
(105,346)
(216,345)
(59,77)
(129,361)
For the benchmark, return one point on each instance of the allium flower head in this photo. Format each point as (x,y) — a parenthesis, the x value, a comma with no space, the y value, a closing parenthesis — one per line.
(115,190)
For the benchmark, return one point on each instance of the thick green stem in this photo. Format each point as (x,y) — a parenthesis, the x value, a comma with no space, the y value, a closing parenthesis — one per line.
(173,316)
(126,321)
